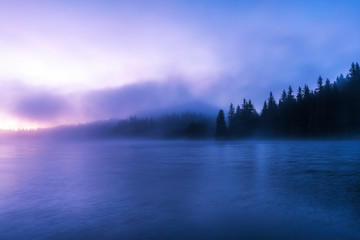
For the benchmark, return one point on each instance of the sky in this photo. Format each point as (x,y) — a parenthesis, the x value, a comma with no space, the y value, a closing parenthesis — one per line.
(68,62)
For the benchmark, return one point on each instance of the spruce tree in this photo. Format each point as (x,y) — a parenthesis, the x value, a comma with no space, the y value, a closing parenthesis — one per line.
(319,84)
(299,95)
(221,130)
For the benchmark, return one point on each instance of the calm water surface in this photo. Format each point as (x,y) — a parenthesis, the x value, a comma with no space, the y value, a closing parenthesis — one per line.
(180,190)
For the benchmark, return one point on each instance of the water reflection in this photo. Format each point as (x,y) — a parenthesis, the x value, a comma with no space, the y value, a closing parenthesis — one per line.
(179,189)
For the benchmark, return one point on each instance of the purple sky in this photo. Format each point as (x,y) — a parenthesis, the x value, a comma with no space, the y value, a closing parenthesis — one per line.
(78,61)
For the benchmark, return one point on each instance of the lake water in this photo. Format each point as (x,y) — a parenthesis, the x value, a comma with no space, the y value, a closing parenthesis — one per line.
(180,190)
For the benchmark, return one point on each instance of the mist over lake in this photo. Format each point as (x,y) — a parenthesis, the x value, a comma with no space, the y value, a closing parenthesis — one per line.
(179,120)
(180,190)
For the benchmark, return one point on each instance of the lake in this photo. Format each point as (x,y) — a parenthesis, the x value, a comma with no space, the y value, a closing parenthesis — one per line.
(180,190)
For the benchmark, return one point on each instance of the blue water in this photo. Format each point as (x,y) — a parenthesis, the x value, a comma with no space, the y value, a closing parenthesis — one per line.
(180,190)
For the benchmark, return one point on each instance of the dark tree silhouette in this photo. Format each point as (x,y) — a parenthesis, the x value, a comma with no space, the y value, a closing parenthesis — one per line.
(184,125)
(220,130)
(231,117)
(331,109)
(319,84)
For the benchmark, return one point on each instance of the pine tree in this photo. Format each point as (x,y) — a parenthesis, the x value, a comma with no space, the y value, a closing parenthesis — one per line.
(231,115)
(299,95)
(264,110)
(272,103)
(327,87)
(306,92)
(319,84)
(221,130)
(283,97)
(289,95)
(331,108)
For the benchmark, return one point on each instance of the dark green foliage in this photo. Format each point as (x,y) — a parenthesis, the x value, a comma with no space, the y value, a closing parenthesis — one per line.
(331,109)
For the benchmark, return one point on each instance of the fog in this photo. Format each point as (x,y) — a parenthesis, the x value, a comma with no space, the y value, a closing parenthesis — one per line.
(65,62)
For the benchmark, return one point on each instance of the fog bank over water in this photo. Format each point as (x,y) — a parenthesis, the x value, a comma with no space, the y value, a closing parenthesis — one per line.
(63,61)
(49,108)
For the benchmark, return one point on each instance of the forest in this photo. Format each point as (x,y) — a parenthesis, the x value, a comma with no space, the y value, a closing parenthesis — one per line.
(183,125)
(330,110)
(186,125)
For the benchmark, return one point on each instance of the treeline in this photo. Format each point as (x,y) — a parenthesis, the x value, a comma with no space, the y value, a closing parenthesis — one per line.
(332,109)
(172,126)
(184,125)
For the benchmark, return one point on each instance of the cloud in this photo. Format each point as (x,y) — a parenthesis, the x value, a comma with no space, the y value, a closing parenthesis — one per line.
(132,99)
(147,98)
(51,107)
(91,61)
(33,104)
(41,106)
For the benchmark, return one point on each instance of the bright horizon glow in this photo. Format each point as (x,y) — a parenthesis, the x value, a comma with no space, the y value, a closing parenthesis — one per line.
(110,51)
(14,124)
(68,62)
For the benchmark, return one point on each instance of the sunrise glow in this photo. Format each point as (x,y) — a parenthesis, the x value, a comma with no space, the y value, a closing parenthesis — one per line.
(9,123)
(66,63)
